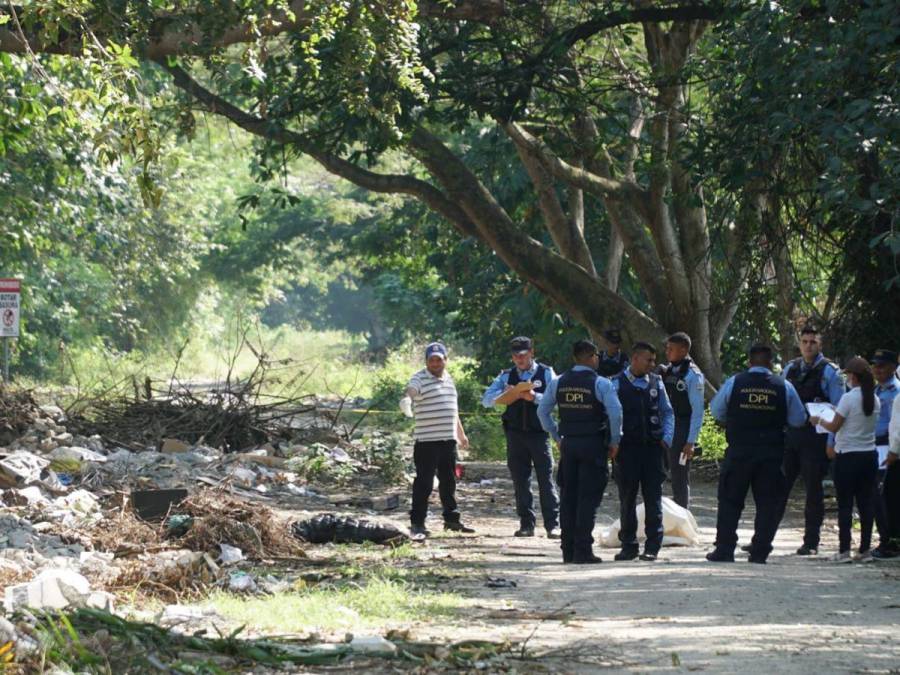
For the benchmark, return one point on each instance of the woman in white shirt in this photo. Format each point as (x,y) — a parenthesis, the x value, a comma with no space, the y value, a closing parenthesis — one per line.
(856,460)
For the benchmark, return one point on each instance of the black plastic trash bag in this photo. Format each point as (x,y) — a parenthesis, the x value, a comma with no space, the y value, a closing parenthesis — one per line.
(326,527)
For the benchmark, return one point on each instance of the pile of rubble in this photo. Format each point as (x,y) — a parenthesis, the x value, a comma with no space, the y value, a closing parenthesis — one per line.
(74,528)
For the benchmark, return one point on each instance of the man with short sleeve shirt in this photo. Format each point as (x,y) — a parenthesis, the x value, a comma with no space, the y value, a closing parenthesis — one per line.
(816,379)
(521,389)
(755,406)
(590,420)
(648,426)
(431,398)
(684,386)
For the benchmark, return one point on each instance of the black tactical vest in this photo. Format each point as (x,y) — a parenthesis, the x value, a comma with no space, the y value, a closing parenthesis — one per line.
(610,366)
(522,415)
(674,378)
(581,413)
(808,384)
(757,414)
(641,423)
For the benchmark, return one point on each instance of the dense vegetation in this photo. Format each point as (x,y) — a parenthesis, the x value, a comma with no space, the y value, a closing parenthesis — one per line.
(155,190)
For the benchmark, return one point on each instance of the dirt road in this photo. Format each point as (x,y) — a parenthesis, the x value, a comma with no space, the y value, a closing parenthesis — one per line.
(681,613)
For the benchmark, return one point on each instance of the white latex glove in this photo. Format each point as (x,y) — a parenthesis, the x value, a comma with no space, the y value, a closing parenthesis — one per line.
(406,406)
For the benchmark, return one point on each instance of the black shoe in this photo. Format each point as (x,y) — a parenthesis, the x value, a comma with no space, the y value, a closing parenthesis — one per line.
(587,560)
(807,550)
(746,548)
(627,554)
(756,559)
(719,556)
(418,531)
(885,553)
(524,532)
(648,557)
(568,556)
(456,526)
(554,533)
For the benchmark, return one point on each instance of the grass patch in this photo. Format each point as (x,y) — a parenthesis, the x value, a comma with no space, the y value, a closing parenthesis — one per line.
(373,604)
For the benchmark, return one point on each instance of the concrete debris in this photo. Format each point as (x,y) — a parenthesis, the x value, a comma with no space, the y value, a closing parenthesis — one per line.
(55,589)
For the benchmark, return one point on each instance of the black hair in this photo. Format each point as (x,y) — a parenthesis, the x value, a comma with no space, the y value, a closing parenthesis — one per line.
(680,338)
(583,348)
(643,347)
(809,330)
(760,353)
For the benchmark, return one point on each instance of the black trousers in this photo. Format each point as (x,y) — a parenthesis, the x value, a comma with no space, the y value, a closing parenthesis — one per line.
(432,457)
(678,474)
(855,476)
(805,456)
(891,496)
(641,468)
(743,470)
(583,477)
(525,450)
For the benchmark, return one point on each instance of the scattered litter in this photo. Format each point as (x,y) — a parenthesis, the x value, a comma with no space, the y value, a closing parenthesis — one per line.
(154,504)
(230,554)
(241,582)
(372,644)
(500,582)
(327,527)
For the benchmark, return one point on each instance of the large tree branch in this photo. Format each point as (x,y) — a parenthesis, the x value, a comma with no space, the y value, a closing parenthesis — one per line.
(557,277)
(563,229)
(573,175)
(370,180)
(172,34)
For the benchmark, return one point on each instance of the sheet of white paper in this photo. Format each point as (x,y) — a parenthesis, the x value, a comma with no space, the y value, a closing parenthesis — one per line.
(882,455)
(824,411)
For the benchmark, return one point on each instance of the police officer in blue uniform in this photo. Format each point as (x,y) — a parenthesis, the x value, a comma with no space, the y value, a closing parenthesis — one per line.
(521,388)
(887,506)
(612,359)
(684,385)
(648,426)
(816,379)
(755,406)
(590,420)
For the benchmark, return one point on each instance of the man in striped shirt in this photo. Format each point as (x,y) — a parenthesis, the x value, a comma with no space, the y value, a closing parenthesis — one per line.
(431,399)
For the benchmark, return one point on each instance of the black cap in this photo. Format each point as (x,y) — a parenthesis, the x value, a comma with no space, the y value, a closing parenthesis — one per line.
(613,335)
(520,344)
(884,356)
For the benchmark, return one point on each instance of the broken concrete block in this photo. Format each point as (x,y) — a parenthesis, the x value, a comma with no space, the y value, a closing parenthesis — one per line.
(100,600)
(51,589)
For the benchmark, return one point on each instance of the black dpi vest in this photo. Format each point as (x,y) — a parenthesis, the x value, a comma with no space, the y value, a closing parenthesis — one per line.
(757,414)
(522,415)
(581,413)
(808,384)
(675,379)
(641,423)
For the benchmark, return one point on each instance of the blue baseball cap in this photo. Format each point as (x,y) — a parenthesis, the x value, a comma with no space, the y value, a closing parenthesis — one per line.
(436,348)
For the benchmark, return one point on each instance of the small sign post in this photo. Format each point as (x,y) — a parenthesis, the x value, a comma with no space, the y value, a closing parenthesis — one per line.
(10,296)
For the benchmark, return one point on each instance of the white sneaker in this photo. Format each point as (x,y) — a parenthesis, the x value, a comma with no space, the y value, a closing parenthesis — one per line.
(841,557)
(866,556)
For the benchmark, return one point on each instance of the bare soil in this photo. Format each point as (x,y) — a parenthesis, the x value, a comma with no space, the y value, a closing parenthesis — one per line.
(681,613)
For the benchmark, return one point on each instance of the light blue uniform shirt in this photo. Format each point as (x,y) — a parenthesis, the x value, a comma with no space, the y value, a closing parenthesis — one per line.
(499,384)
(796,416)
(886,393)
(695,384)
(604,392)
(666,414)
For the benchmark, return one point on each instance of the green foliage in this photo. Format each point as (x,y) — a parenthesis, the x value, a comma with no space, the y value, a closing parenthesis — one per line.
(487,440)
(712,438)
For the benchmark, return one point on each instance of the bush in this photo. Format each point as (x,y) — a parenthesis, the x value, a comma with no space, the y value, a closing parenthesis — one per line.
(487,442)
(712,438)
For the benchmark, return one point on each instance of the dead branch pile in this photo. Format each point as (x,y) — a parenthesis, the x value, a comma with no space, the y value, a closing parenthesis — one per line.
(222,519)
(17,412)
(232,415)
